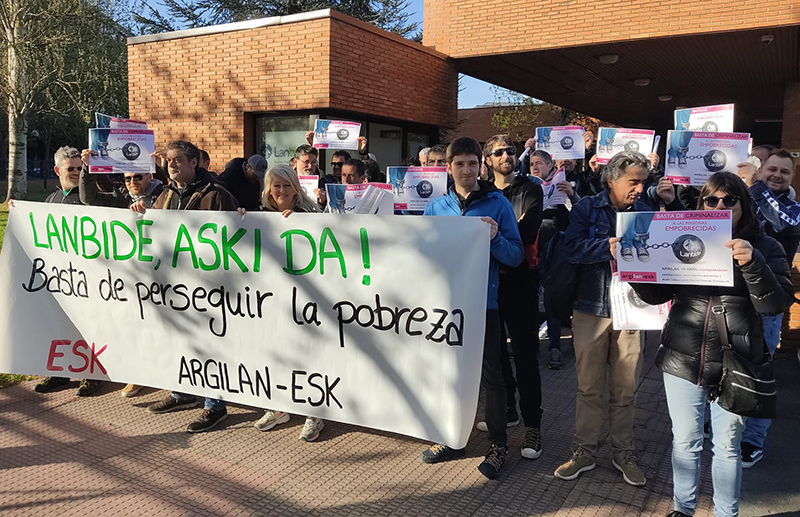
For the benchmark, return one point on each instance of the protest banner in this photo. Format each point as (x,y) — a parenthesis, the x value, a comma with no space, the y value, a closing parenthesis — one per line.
(562,142)
(336,134)
(312,314)
(415,187)
(613,140)
(115,151)
(686,248)
(629,312)
(553,196)
(692,157)
(308,184)
(708,119)
(360,198)
(109,122)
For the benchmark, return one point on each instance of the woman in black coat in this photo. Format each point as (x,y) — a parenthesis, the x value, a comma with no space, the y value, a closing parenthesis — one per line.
(690,354)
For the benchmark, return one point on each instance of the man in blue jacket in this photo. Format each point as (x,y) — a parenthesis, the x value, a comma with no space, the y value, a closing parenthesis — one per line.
(470,196)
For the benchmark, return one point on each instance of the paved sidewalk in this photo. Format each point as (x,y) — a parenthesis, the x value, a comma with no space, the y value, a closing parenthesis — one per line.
(106,455)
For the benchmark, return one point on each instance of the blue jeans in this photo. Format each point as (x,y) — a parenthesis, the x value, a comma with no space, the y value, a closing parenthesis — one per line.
(755,431)
(637,230)
(212,404)
(608,135)
(682,119)
(678,143)
(686,402)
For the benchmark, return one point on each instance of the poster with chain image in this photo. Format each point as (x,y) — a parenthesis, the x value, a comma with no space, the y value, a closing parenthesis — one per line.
(115,151)
(694,156)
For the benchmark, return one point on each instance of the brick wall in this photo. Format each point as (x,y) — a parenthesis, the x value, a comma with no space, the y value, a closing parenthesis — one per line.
(463,28)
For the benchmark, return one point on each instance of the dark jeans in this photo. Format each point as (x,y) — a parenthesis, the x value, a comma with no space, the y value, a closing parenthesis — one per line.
(492,380)
(518,301)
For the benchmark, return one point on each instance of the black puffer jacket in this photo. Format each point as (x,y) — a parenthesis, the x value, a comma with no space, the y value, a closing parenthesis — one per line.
(762,286)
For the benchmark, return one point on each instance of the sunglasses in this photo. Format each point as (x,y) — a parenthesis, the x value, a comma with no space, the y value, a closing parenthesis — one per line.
(337,164)
(76,169)
(713,201)
(497,153)
(135,177)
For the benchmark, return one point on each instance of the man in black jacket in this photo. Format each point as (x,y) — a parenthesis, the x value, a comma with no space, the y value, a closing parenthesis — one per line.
(140,188)
(518,293)
(243,179)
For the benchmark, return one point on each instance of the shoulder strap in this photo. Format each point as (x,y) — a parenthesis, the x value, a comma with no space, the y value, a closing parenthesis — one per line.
(718,310)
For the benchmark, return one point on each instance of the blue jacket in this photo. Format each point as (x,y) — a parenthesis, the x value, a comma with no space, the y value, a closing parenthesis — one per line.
(506,247)
(594,255)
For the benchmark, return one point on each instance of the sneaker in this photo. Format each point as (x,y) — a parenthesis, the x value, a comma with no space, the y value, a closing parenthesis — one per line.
(87,387)
(493,462)
(50,383)
(271,419)
(626,253)
(311,429)
(579,462)
(512,420)
(437,453)
(208,420)
(631,472)
(707,430)
(130,390)
(676,513)
(682,161)
(751,455)
(555,359)
(642,254)
(543,331)
(171,404)
(532,446)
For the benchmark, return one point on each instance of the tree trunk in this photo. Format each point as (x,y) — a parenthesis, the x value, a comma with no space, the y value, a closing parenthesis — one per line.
(17,155)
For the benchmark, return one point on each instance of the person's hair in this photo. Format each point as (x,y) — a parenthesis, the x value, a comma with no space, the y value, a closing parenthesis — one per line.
(733,185)
(189,149)
(65,153)
(765,147)
(204,155)
(438,149)
(373,170)
(343,153)
(413,161)
(544,155)
(424,152)
(305,149)
(504,139)
(616,166)
(361,167)
(301,203)
(461,146)
(780,153)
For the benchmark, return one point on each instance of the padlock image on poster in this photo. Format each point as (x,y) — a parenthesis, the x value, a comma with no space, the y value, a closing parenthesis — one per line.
(131,151)
(689,249)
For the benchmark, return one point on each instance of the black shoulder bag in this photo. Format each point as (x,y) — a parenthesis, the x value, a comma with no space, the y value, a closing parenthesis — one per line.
(746,388)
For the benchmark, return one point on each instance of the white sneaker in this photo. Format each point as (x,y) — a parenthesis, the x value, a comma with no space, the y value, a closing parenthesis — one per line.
(271,419)
(311,429)
(543,331)
(481,426)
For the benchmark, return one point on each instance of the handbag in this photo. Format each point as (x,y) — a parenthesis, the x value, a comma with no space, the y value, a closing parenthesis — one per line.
(746,388)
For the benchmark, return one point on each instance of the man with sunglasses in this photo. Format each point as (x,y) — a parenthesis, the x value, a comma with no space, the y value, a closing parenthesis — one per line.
(141,188)
(68,169)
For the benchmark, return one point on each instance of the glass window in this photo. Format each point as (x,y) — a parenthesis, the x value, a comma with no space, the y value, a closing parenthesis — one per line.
(416,143)
(278,137)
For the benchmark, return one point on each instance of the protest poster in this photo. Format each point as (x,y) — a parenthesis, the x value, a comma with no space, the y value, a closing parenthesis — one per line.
(552,196)
(613,140)
(310,314)
(109,122)
(348,199)
(686,248)
(415,187)
(562,142)
(308,184)
(115,151)
(336,134)
(692,157)
(708,119)
(629,312)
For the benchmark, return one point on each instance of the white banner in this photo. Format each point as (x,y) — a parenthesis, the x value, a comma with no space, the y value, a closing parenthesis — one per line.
(707,118)
(693,157)
(629,312)
(115,151)
(613,140)
(553,196)
(336,134)
(415,187)
(313,314)
(686,248)
(562,142)
(361,198)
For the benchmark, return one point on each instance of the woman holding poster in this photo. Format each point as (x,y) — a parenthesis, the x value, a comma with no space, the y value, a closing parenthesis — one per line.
(283,193)
(690,355)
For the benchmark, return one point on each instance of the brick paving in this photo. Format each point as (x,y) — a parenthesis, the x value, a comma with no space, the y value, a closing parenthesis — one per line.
(106,455)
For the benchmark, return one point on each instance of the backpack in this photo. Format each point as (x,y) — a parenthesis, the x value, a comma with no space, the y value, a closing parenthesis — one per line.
(559,276)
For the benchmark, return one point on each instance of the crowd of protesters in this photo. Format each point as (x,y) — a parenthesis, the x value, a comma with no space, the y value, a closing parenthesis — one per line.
(490,182)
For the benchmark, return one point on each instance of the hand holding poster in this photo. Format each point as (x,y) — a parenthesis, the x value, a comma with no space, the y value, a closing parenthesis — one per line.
(348,199)
(116,151)
(311,314)
(693,157)
(686,248)
(562,142)
(336,134)
(613,140)
(415,187)
(708,119)
(629,312)
(553,196)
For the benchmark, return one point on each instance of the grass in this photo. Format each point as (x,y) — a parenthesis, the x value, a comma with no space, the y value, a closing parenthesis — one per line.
(10,379)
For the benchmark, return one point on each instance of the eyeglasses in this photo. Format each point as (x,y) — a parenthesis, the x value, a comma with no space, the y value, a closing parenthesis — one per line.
(76,169)
(713,201)
(337,164)
(497,153)
(135,177)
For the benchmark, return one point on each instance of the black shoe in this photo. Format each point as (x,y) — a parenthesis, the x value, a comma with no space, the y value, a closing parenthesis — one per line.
(512,417)
(751,455)
(50,383)
(208,420)
(87,387)
(676,513)
(438,452)
(493,462)
(532,446)
(171,404)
